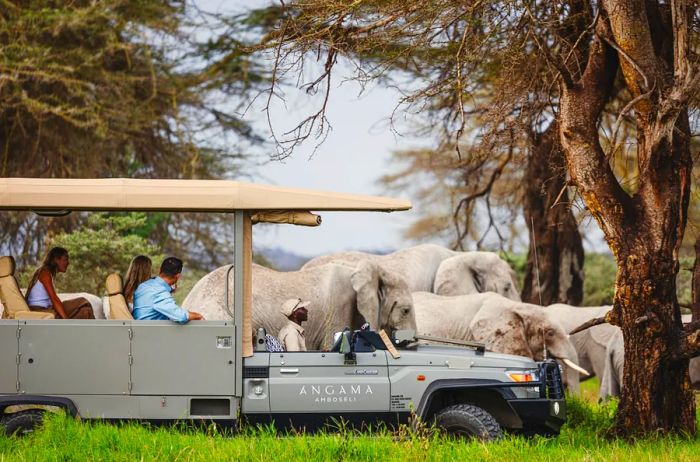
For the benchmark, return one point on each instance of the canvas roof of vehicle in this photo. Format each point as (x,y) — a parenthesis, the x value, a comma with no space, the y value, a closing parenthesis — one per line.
(125,194)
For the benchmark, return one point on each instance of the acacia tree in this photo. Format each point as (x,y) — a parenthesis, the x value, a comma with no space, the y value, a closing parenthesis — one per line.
(650,44)
(115,88)
(648,48)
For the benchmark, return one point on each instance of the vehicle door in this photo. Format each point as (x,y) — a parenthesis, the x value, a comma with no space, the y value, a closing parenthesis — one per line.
(329,382)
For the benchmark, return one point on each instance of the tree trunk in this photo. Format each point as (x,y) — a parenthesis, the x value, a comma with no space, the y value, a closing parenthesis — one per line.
(643,229)
(657,394)
(550,221)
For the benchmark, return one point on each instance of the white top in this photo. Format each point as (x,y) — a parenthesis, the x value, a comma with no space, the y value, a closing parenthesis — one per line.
(38,296)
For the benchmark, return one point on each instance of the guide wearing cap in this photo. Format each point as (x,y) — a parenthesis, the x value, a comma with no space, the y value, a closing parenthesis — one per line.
(291,336)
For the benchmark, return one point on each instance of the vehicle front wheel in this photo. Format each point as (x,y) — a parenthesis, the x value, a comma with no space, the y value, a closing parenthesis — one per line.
(468,421)
(22,423)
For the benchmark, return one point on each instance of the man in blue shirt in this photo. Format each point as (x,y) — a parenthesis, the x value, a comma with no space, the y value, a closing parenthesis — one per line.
(153,299)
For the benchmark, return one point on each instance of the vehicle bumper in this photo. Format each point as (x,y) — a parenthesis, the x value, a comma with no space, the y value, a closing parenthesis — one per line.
(540,416)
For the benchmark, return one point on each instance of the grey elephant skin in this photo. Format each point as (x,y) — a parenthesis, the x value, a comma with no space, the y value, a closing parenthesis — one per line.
(591,343)
(341,296)
(503,325)
(433,268)
(611,381)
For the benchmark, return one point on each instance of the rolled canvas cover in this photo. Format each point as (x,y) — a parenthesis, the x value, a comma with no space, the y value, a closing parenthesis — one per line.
(287,217)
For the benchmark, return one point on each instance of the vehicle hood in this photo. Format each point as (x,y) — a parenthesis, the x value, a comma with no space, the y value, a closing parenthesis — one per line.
(459,357)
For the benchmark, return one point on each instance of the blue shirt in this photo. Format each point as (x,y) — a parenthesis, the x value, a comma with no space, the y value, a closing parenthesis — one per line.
(154,302)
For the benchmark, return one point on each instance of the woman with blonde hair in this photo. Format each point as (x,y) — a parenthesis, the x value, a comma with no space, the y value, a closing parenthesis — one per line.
(41,293)
(138,272)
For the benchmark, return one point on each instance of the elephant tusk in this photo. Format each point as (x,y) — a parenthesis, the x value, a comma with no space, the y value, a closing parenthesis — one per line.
(575,367)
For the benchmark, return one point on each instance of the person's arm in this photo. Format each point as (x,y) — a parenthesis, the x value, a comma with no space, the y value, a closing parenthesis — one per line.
(47,281)
(164,303)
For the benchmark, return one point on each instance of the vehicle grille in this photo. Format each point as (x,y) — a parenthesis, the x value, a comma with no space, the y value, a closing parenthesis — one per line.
(256,372)
(550,377)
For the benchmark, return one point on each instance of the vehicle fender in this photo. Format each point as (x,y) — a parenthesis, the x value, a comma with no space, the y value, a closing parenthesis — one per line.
(491,395)
(23,400)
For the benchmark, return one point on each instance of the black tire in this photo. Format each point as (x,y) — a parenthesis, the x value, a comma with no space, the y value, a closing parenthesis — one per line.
(468,421)
(22,423)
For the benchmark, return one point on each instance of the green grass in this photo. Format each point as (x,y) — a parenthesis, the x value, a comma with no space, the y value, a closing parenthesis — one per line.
(589,389)
(64,439)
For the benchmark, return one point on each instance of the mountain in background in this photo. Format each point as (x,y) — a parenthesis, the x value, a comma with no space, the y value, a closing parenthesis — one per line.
(285,260)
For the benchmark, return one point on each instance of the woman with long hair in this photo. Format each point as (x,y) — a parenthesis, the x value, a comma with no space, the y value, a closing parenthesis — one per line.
(139,271)
(41,294)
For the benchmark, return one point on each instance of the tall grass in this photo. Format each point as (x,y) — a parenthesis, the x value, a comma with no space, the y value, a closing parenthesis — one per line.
(583,438)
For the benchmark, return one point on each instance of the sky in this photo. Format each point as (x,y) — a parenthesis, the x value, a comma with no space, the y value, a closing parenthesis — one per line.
(355,154)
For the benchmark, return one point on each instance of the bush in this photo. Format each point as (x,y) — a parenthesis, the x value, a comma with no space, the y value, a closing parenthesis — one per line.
(582,415)
(599,280)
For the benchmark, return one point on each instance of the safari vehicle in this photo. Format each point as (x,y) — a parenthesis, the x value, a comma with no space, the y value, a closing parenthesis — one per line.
(122,369)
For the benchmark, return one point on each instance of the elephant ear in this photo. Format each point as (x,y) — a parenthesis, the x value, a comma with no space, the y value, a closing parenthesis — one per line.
(370,290)
(478,279)
(502,329)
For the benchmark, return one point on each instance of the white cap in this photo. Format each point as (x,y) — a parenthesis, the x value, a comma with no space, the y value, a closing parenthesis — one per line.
(289,306)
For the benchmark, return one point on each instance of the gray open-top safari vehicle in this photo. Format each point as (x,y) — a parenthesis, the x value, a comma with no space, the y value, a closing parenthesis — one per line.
(120,369)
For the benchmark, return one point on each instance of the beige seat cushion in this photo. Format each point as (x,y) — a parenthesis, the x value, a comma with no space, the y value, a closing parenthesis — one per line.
(118,308)
(10,296)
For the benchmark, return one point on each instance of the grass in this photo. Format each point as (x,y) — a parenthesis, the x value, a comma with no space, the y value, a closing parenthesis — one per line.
(64,439)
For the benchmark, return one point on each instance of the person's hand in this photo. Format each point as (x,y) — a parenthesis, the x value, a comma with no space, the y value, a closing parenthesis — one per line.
(194,316)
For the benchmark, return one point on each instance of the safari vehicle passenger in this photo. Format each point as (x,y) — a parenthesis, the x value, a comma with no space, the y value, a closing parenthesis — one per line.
(41,294)
(291,336)
(153,299)
(139,271)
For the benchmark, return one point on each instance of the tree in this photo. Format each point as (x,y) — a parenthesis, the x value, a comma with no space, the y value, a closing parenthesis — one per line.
(650,44)
(114,88)
(555,270)
(646,47)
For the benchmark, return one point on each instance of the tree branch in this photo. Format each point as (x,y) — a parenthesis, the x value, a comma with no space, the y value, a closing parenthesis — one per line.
(581,107)
(588,324)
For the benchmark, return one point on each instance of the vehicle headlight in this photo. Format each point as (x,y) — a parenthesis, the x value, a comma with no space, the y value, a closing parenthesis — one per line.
(523,375)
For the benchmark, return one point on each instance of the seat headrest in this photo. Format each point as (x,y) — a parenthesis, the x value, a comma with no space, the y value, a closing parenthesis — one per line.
(114,284)
(7,266)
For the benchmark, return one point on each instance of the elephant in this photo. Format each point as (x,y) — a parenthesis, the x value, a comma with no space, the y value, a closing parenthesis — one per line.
(341,296)
(591,343)
(503,325)
(611,381)
(433,268)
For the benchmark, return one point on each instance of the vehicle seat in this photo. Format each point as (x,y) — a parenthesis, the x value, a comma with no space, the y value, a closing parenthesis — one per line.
(118,308)
(15,305)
